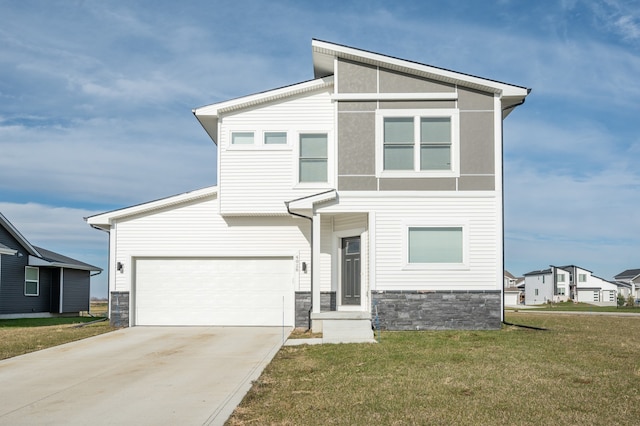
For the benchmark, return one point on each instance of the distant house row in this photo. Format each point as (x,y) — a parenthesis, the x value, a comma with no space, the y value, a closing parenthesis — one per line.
(565,283)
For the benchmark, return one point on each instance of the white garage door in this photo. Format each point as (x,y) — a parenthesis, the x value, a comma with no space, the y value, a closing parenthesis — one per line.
(220,291)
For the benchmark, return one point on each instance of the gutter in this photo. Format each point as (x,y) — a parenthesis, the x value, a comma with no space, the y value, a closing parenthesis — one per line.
(311,265)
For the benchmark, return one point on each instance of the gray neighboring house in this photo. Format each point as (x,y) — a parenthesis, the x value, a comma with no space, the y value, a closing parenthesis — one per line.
(35,282)
(631,280)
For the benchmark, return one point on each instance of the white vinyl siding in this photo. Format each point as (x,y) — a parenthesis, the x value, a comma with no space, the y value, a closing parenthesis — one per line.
(197,230)
(479,216)
(258,179)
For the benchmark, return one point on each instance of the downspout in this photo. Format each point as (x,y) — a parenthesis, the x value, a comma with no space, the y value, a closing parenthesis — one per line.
(502,194)
(310,219)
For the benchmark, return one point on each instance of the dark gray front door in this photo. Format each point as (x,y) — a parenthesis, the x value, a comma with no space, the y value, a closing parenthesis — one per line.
(351,271)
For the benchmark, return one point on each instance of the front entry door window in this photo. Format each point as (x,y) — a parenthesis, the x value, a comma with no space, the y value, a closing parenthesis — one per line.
(351,271)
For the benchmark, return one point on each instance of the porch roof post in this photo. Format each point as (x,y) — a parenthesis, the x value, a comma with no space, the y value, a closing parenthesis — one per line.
(315,269)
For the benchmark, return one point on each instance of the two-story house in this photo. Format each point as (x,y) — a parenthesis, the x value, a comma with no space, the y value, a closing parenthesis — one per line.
(374,189)
(563,283)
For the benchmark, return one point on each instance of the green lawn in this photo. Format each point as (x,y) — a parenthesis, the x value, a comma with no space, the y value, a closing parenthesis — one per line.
(582,370)
(20,336)
(582,307)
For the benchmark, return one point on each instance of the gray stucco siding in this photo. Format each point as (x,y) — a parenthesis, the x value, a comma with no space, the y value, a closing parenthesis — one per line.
(477,143)
(397,82)
(357,183)
(469,99)
(364,106)
(417,104)
(356,78)
(476,183)
(356,144)
(418,184)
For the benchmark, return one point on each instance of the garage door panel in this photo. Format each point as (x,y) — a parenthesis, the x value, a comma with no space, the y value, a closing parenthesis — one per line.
(229,291)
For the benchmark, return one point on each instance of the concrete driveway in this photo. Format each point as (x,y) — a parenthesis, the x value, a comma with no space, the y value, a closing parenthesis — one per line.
(139,375)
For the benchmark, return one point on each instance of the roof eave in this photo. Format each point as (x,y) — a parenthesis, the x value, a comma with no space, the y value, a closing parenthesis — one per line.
(324,52)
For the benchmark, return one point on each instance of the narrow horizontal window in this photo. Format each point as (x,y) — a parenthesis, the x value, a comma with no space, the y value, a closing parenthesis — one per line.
(436,245)
(275,138)
(242,138)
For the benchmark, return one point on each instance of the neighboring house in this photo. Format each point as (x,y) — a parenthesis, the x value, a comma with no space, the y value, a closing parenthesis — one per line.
(631,280)
(373,189)
(563,283)
(509,279)
(35,282)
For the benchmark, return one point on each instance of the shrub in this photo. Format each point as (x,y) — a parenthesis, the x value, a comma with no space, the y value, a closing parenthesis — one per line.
(621,300)
(630,300)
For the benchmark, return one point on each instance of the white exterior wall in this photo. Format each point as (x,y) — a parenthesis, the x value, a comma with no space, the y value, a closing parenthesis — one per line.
(393,213)
(542,283)
(270,173)
(196,230)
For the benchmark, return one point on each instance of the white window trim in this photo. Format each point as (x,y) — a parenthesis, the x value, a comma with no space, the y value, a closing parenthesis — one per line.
(452,113)
(464,265)
(330,160)
(37,282)
(258,139)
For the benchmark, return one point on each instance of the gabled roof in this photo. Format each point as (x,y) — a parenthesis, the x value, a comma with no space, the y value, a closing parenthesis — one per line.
(509,275)
(39,256)
(325,52)
(104,220)
(629,274)
(18,236)
(540,272)
(50,258)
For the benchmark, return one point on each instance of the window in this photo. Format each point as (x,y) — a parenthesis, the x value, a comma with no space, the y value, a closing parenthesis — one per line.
(582,278)
(275,138)
(560,278)
(417,142)
(313,157)
(561,291)
(536,292)
(242,138)
(31,281)
(435,245)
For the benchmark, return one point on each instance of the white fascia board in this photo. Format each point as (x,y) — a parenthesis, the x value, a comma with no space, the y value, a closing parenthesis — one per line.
(104,220)
(259,98)
(322,49)
(17,235)
(8,251)
(307,203)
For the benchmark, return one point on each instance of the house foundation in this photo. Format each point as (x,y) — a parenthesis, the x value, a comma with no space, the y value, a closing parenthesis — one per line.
(437,310)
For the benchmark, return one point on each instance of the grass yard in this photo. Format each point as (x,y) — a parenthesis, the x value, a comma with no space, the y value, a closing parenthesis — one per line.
(582,370)
(20,336)
(582,307)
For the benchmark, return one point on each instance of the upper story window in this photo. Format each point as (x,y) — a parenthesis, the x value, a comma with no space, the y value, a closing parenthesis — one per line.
(242,138)
(251,140)
(275,138)
(417,143)
(582,278)
(561,278)
(31,281)
(313,160)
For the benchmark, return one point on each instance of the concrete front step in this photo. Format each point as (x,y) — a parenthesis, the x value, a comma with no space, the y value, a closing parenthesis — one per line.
(344,327)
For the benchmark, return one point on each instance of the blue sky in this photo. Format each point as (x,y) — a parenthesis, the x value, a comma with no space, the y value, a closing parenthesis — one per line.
(96,100)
